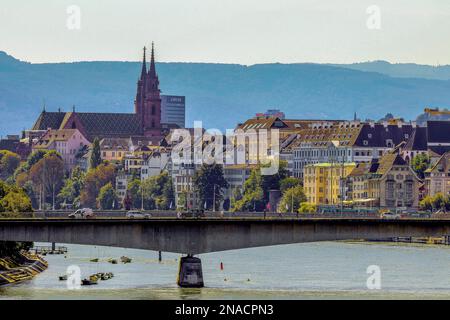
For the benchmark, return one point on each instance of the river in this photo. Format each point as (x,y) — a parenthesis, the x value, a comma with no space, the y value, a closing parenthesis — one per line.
(327,270)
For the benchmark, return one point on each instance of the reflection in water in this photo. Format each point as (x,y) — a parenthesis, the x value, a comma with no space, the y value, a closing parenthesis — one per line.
(331,270)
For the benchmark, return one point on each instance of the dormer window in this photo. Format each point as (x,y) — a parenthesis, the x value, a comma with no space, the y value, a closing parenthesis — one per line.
(369,136)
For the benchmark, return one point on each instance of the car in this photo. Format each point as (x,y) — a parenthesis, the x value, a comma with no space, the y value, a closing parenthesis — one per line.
(138,215)
(390,215)
(84,213)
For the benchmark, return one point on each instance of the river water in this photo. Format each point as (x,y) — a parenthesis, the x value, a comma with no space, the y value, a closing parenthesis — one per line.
(327,270)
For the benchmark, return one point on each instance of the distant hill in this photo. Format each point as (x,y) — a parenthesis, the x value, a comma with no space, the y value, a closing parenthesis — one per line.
(221,95)
(402,70)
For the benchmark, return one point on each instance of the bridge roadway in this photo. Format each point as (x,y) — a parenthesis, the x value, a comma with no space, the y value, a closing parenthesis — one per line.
(194,236)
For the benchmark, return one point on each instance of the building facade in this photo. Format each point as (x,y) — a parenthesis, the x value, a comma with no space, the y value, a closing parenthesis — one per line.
(437,178)
(388,182)
(67,142)
(324,183)
(173,110)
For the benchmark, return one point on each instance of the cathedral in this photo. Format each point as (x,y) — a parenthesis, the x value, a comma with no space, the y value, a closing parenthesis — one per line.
(144,122)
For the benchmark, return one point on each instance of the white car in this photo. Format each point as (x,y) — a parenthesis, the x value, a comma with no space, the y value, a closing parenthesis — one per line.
(138,215)
(84,213)
(390,215)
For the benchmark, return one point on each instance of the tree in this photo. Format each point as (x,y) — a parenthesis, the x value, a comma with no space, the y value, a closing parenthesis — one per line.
(96,157)
(291,199)
(13,200)
(209,182)
(9,162)
(47,175)
(426,203)
(182,200)
(107,197)
(158,192)
(288,182)
(272,182)
(134,193)
(307,208)
(419,164)
(253,194)
(71,191)
(95,179)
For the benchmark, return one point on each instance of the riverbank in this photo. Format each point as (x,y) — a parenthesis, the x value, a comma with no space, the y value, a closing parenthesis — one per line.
(22,267)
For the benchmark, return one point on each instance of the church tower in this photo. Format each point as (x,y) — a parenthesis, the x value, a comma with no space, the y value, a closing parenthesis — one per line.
(148,99)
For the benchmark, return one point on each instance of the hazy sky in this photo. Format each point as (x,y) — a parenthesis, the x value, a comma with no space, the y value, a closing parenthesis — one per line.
(229,31)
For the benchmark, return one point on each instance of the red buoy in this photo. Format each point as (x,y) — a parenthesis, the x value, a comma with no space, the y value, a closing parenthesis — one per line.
(221,266)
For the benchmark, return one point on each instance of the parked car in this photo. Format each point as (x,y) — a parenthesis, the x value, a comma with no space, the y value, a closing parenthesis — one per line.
(133,214)
(391,215)
(84,213)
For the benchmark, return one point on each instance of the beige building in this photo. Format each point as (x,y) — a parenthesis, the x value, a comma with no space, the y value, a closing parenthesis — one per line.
(385,182)
(437,178)
(324,183)
(113,149)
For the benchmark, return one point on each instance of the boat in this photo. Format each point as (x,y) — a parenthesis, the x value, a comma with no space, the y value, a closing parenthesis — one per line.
(125,259)
(63,278)
(89,282)
(94,260)
(113,261)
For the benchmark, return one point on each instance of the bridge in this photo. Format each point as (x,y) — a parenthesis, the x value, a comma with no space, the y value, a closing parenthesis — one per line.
(195,236)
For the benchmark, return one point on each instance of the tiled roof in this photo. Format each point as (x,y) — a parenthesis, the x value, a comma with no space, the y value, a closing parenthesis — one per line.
(377,135)
(99,125)
(114,143)
(322,134)
(380,166)
(418,140)
(48,120)
(443,162)
(110,124)
(438,131)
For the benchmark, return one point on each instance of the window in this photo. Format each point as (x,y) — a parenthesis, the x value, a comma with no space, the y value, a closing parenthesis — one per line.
(153,110)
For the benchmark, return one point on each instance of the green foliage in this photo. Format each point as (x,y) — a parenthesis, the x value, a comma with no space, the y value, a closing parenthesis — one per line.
(438,202)
(291,199)
(209,183)
(95,179)
(419,164)
(107,198)
(9,162)
(288,183)
(47,176)
(71,191)
(96,158)
(158,192)
(12,249)
(307,208)
(272,182)
(13,200)
(182,197)
(134,193)
(253,196)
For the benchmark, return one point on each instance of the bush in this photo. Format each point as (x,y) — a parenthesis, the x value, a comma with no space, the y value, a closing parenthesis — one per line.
(306,207)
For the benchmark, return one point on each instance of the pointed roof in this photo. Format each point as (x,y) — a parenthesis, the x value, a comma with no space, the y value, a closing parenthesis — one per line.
(144,64)
(152,71)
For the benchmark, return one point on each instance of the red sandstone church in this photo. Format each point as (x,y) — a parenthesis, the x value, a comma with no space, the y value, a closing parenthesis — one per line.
(145,121)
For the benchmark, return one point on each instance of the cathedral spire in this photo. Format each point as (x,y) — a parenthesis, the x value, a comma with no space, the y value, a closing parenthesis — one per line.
(152,71)
(144,64)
